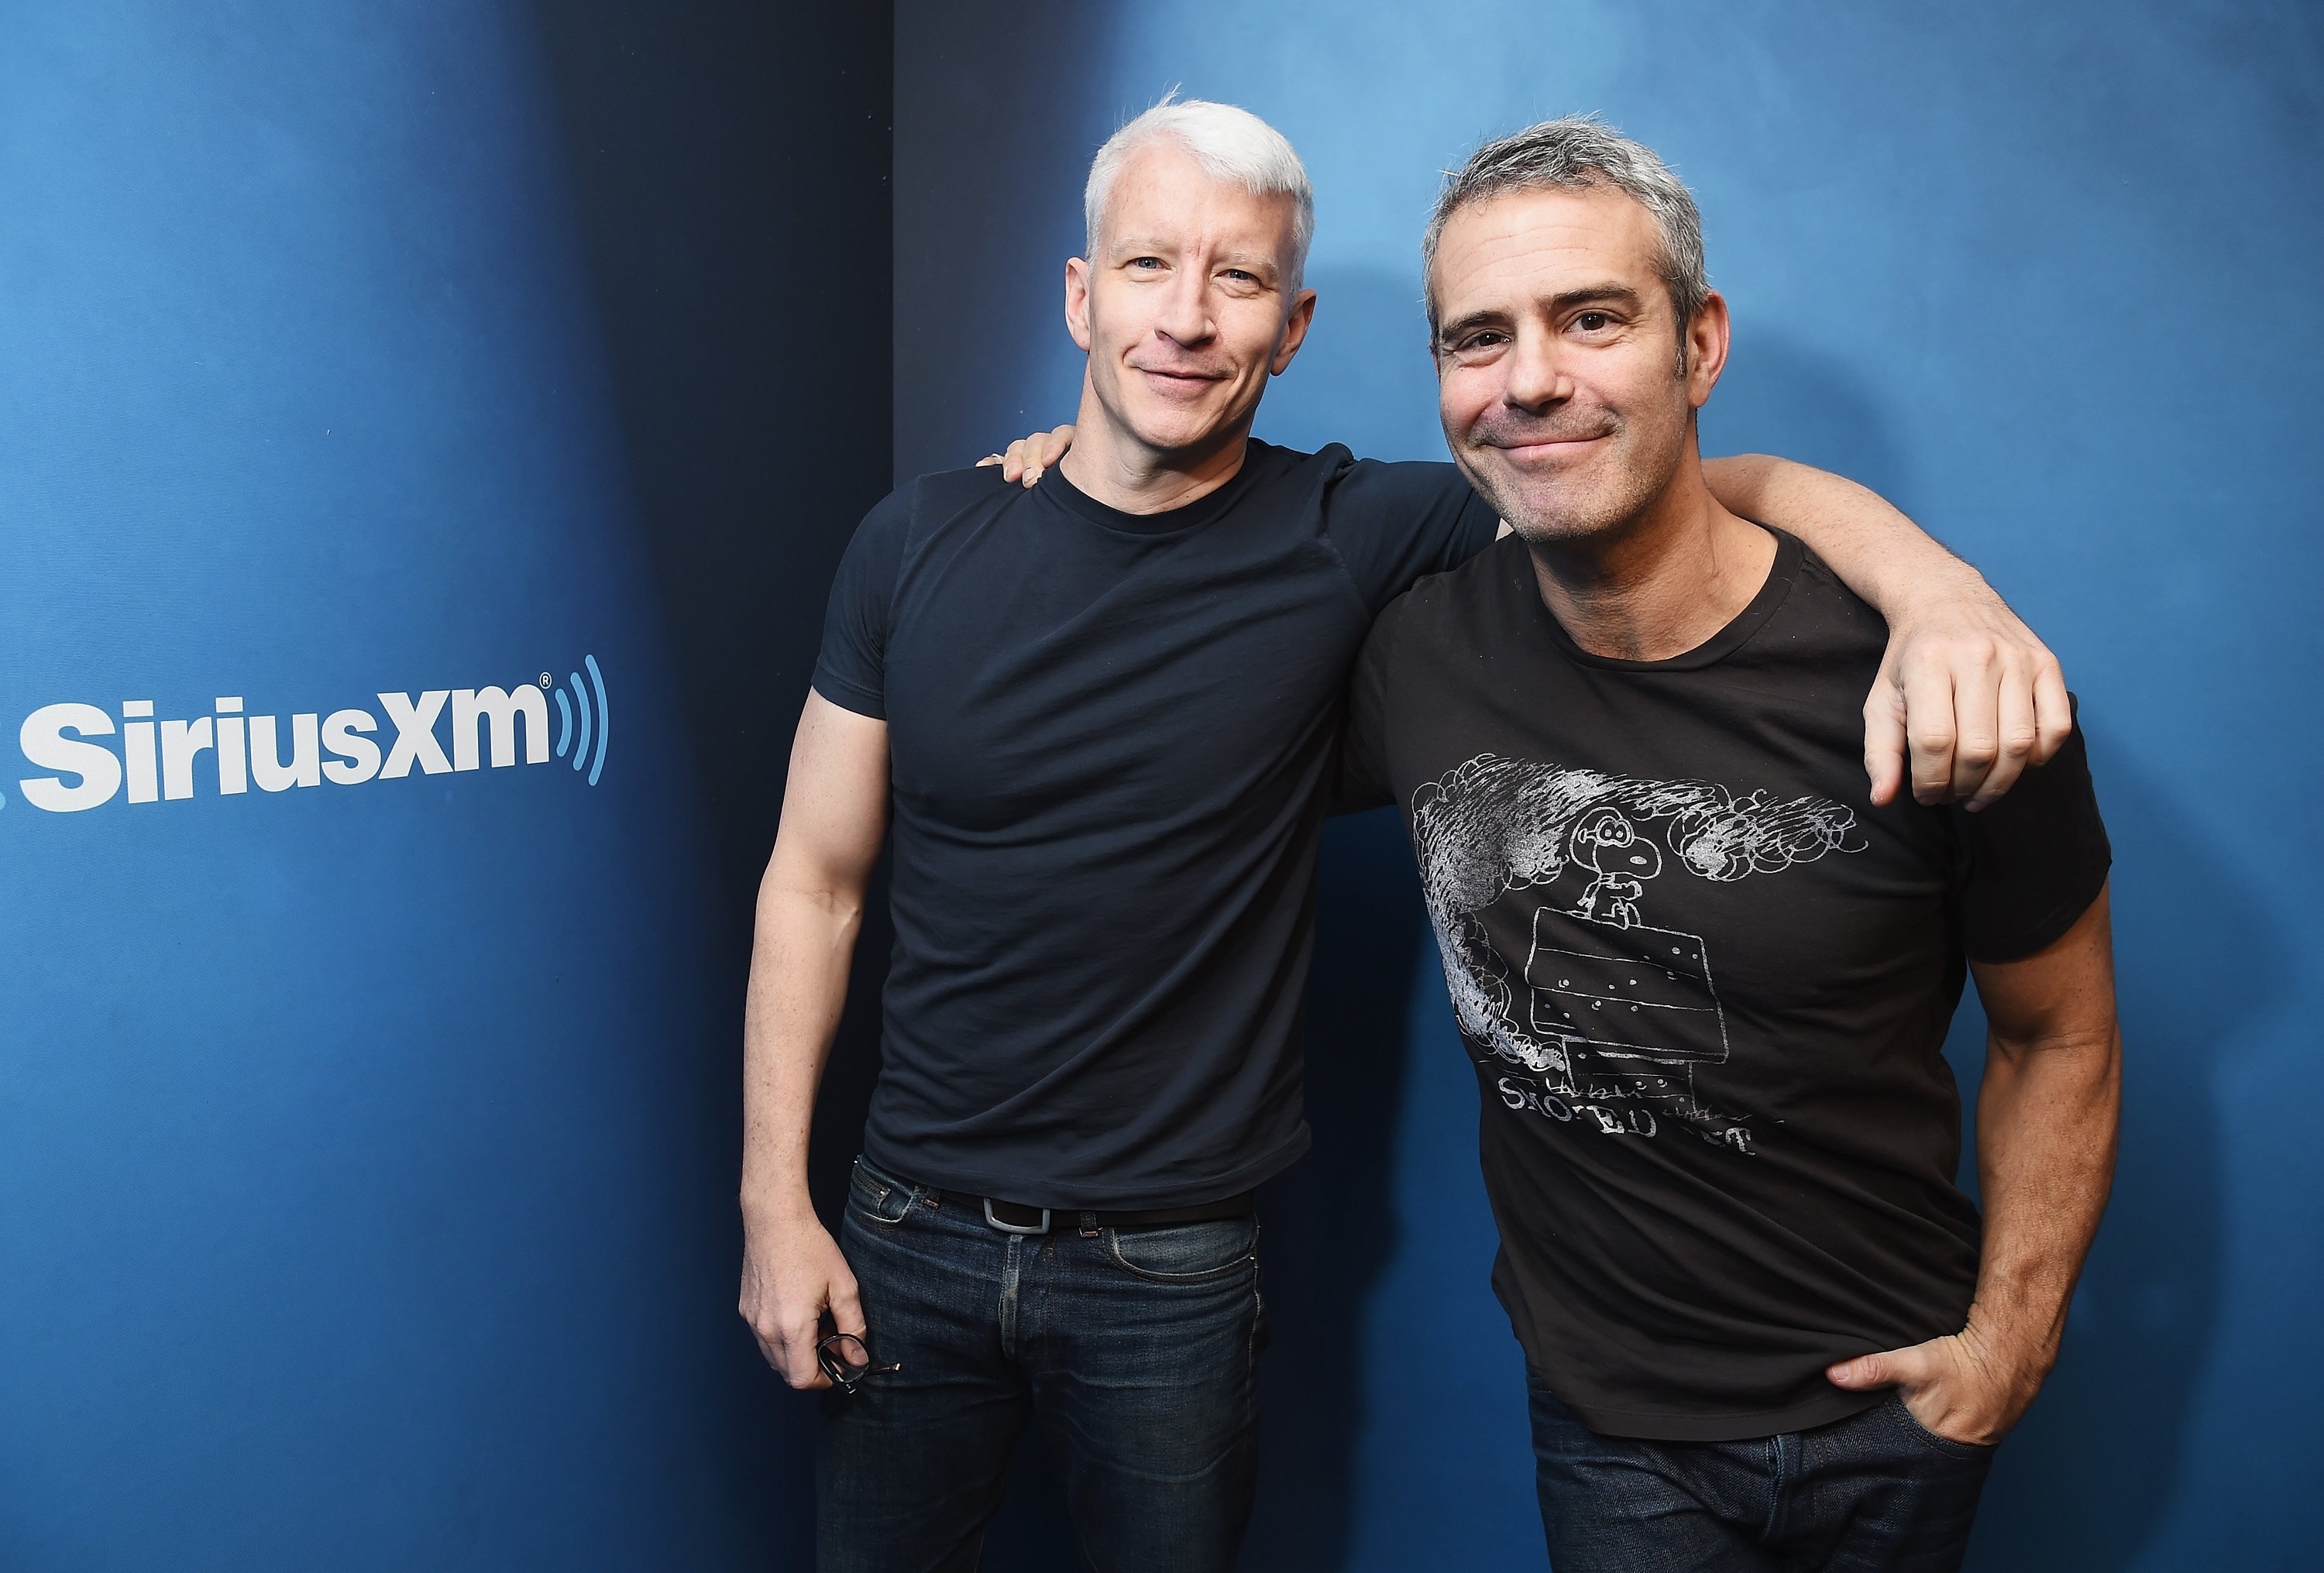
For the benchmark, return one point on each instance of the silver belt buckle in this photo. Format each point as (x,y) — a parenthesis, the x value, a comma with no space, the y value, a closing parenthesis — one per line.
(1011,1229)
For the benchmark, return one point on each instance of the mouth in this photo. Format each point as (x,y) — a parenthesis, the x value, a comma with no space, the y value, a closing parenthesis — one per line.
(1179,379)
(1547,450)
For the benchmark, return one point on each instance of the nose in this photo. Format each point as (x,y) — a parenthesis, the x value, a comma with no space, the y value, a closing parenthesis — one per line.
(1186,315)
(1536,381)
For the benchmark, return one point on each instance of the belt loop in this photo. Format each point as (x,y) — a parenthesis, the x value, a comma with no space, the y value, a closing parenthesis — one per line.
(1089,1225)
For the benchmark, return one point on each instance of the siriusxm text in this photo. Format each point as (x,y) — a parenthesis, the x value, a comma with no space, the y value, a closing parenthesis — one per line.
(228,751)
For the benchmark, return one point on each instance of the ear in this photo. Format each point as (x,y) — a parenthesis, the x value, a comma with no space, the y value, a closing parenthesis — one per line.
(1078,301)
(1294,331)
(1706,349)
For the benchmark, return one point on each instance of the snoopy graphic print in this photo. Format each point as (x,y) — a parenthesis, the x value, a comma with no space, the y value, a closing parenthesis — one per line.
(1613,1011)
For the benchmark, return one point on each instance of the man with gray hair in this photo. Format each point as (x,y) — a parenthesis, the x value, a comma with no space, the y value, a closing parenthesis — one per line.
(1099,720)
(1705,977)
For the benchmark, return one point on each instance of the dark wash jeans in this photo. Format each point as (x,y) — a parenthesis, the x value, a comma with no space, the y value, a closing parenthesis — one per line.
(1875,1491)
(1135,1348)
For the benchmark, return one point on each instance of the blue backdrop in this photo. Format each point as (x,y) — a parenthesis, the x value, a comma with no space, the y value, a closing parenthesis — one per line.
(2045,275)
(367,1140)
(366,1147)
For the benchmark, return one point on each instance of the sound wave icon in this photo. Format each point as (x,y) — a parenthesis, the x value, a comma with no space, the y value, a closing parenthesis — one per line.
(601,726)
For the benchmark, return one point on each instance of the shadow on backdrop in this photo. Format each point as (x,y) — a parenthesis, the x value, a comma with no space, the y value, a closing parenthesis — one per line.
(1330,1220)
(729,170)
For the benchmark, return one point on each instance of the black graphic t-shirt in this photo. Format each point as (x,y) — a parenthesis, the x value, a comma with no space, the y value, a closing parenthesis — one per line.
(1113,737)
(1705,984)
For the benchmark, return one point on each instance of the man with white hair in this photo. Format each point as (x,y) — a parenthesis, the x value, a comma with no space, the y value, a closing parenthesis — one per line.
(1099,719)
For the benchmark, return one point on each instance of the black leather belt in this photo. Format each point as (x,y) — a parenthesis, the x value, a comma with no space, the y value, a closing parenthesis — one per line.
(1012,1218)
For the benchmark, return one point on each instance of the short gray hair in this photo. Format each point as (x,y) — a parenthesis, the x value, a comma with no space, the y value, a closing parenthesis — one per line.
(1229,145)
(1576,153)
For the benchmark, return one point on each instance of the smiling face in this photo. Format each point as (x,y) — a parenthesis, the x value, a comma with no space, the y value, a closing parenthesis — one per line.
(1187,308)
(1558,359)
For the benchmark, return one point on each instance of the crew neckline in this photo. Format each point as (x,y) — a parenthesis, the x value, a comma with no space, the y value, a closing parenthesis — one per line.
(1188,516)
(1738,631)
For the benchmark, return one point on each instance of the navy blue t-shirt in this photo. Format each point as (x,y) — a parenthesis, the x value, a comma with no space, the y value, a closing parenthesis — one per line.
(1112,738)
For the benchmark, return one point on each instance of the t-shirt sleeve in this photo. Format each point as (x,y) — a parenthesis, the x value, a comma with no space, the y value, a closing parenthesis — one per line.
(851,671)
(1393,524)
(1362,781)
(2033,861)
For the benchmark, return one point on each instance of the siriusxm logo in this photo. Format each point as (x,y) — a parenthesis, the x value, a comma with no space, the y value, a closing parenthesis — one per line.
(166,760)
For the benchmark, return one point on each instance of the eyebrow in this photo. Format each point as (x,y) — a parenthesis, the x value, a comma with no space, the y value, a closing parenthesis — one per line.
(1608,294)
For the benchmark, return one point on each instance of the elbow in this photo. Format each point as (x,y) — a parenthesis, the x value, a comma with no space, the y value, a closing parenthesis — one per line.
(824,894)
(827,901)
(2078,1069)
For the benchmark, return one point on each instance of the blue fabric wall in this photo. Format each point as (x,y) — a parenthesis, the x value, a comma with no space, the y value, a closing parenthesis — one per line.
(2042,274)
(367,1151)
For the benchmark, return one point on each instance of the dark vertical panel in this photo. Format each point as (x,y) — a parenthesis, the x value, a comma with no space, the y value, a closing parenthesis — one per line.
(729,166)
(730,171)
(999,108)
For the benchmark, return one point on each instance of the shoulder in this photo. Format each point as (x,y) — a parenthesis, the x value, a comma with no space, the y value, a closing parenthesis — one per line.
(1275,472)
(1349,482)
(1822,591)
(1820,621)
(1272,461)
(942,495)
(920,509)
(1394,490)
(1474,604)
(1493,579)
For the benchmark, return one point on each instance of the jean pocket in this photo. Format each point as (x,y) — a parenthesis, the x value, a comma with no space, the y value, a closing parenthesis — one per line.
(1187,1253)
(1911,1422)
(877,1198)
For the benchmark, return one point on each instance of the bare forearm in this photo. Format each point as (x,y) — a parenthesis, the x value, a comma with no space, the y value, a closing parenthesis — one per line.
(1881,553)
(799,963)
(2046,1129)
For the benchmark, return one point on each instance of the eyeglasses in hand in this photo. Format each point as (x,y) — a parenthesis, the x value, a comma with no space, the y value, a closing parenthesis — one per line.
(846,1360)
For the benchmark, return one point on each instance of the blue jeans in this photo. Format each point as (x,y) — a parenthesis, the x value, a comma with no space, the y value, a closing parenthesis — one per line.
(1135,1348)
(1875,1491)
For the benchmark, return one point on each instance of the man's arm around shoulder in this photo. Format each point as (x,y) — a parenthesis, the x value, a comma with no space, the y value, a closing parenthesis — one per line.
(1967,698)
(810,910)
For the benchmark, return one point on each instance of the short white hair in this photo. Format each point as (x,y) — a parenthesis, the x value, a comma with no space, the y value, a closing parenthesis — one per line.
(1229,145)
